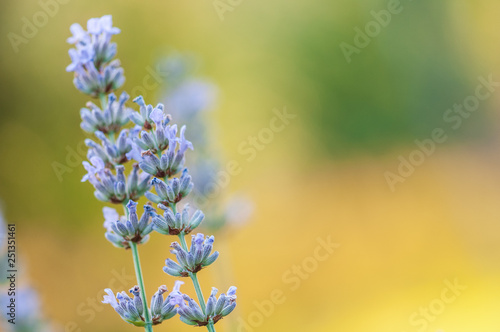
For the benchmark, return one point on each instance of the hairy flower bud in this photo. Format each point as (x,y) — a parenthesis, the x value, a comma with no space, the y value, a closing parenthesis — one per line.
(94,72)
(216,308)
(199,256)
(120,231)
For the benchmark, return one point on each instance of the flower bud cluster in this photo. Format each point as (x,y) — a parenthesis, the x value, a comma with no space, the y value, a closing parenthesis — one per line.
(151,140)
(130,310)
(109,120)
(199,256)
(120,231)
(216,308)
(161,309)
(94,72)
(115,188)
(174,224)
(112,153)
(172,191)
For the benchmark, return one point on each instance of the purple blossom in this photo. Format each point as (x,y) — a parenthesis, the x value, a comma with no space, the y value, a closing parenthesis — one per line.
(176,297)
(110,298)
(95,166)
(95,73)
(80,36)
(110,217)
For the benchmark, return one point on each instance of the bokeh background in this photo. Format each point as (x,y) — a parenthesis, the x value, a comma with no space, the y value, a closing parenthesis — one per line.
(323,176)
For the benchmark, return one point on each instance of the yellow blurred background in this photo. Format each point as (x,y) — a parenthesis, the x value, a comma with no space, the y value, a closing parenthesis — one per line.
(424,256)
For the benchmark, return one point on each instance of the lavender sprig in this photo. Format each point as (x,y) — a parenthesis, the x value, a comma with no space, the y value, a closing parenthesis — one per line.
(97,75)
(148,137)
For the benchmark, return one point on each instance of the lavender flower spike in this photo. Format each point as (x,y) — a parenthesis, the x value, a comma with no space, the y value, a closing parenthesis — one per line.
(159,150)
(95,73)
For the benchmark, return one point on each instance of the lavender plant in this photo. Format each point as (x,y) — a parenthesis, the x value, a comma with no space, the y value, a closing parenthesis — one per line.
(157,149)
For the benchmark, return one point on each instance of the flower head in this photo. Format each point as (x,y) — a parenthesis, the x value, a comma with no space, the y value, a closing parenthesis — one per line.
(171,191)
(142,118)
(153,136)
(121,231)
(109,120)
(95,166)
(216,308)
(161,309)
(173,224)
(130,310)
(80,36)
(175,296)
(91,63)
(199,256)
(115,188)
(112,153)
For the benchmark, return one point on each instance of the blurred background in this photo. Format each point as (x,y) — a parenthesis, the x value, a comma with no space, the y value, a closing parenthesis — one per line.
(345,169)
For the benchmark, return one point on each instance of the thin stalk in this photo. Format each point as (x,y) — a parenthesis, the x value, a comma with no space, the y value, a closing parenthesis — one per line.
(125,208)
(138,273)
(104,101)
(197,287)
(211,326)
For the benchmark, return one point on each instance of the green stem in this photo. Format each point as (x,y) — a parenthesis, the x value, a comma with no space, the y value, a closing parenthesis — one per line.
(104,101)
(138,273)
(125,209)
(197,287)
(210,326)
(196,284)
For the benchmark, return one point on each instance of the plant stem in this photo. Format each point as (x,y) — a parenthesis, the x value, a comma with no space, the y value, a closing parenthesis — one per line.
(125,208)
(197,287)
(140,281)
(210,326)
(104,101)
(196,284)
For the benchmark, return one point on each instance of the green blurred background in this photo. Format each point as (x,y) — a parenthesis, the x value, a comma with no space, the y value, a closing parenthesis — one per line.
(322,176)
